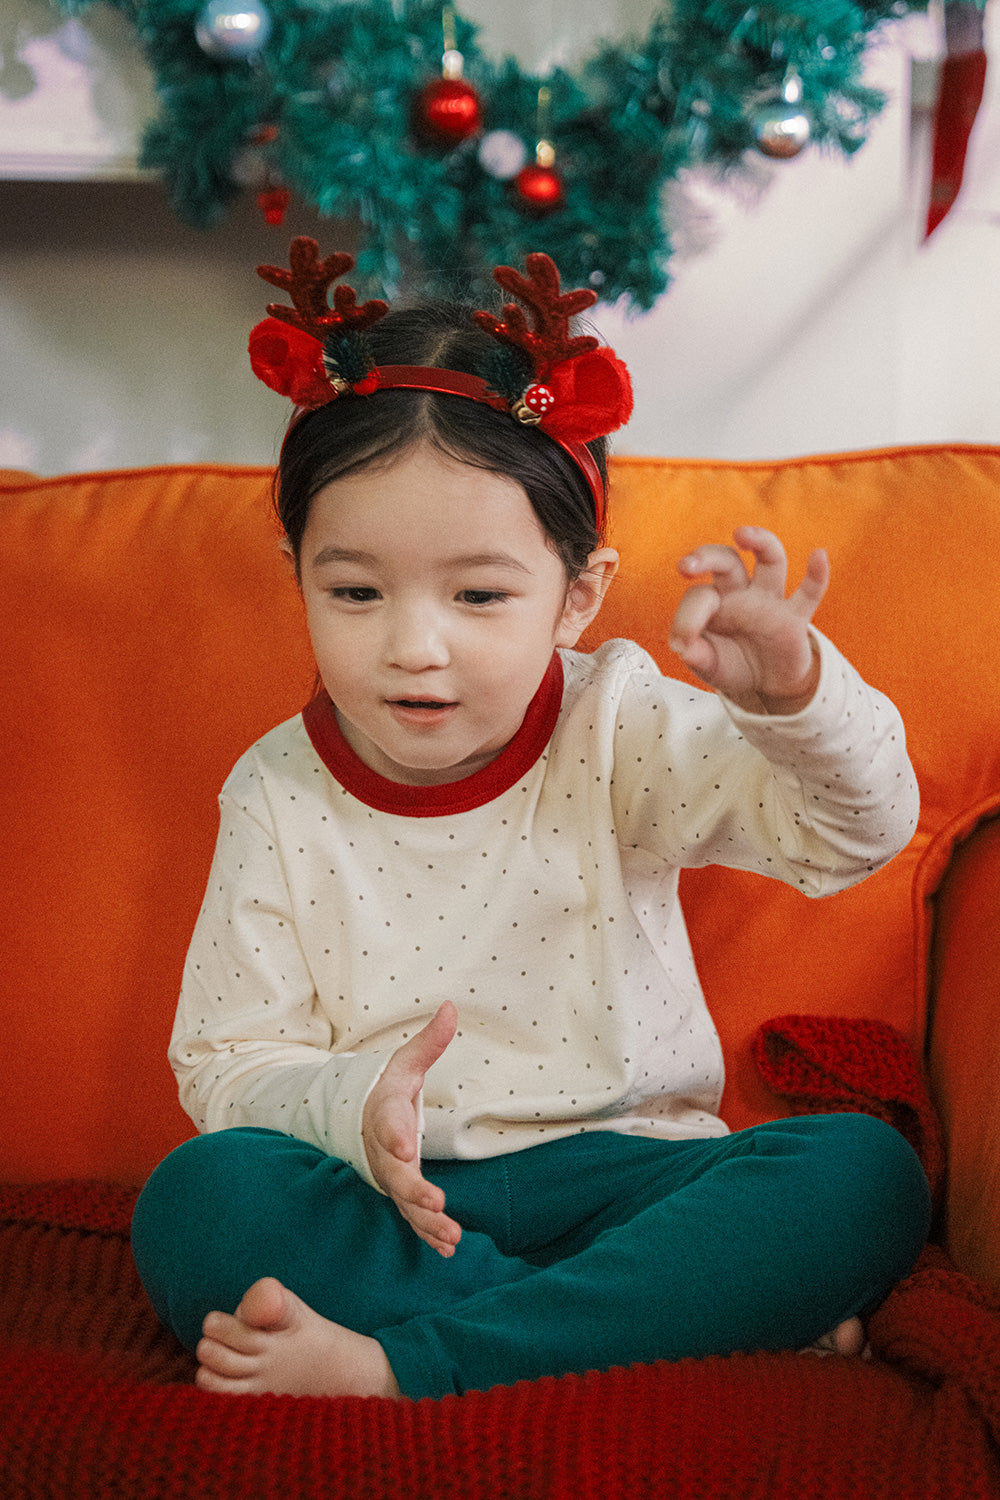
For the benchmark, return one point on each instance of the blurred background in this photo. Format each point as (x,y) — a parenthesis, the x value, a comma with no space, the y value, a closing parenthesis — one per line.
(807,311)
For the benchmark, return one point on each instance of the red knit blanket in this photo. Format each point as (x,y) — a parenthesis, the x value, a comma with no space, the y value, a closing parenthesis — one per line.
(824,1064)
(96,1399)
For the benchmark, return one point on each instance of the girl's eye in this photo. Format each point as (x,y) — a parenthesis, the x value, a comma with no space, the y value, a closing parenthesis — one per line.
(355,594)
(482,596)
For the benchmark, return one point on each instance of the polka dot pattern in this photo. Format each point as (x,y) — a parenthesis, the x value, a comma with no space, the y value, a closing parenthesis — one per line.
(331,931)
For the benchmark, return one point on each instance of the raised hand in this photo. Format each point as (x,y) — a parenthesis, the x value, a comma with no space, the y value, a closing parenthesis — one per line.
(389,1130)
(740,634)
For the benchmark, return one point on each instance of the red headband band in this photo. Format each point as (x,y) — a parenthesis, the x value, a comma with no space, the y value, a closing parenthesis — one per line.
(544,376)
(457,383)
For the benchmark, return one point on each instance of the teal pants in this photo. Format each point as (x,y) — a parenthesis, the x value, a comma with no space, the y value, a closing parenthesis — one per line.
(577,1254)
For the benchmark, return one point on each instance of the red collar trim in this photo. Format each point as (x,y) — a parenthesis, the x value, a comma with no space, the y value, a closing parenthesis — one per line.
(483,786)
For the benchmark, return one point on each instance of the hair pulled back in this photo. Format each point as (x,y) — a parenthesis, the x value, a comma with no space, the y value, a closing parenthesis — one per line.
(355,433)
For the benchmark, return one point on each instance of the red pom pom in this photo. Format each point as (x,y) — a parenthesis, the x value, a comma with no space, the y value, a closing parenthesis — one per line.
(593,396)
(290,362)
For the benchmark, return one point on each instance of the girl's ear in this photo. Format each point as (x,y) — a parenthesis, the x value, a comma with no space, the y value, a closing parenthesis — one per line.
(585,596)
(285,547)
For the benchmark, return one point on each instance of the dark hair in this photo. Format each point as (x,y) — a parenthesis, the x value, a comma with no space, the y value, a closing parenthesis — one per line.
(357,432)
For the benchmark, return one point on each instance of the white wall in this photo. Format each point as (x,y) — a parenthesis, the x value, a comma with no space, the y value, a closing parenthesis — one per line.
(816,320)
(821,319)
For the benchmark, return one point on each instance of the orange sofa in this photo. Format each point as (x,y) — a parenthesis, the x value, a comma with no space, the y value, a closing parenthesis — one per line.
(150,633)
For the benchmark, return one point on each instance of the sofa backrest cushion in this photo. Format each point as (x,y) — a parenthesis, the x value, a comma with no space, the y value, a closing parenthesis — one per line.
(914,602)
(151,632)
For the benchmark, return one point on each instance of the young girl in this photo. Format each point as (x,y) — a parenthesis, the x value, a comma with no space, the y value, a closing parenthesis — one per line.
(440,1028)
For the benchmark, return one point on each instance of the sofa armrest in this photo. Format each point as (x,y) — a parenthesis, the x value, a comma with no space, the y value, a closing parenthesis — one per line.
(964,1048)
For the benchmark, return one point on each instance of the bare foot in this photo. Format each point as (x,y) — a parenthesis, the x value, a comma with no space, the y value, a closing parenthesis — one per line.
(274,1342)
(847,1338)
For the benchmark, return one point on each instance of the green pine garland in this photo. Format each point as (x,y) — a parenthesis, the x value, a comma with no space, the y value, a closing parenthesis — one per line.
(337,79)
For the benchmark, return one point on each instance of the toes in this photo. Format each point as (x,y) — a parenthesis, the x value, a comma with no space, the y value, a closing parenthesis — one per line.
(209,1380)
(266,1305)
(849,1337)
(224,1360)
(232,1332)
(217,1325)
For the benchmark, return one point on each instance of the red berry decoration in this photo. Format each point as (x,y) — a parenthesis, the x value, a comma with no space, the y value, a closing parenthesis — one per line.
(448,111)
(539,399)
(539,188)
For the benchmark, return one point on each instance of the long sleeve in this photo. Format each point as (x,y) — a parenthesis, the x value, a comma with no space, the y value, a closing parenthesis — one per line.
(251,1044)
(334,926)
(818,799)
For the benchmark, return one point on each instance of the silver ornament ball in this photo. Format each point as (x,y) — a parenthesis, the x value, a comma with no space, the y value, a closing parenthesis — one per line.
(780,129)
(230,32)
(249,168)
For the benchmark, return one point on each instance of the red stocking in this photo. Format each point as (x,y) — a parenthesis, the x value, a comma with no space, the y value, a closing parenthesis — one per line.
(963,76)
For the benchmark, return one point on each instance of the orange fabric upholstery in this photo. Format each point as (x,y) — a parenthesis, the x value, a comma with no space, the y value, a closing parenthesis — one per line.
(911,607)
(151,632)
(964,1054)
(145,620)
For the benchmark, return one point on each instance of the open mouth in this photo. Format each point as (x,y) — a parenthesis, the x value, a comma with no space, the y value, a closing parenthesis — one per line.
(417,711)
(429,704)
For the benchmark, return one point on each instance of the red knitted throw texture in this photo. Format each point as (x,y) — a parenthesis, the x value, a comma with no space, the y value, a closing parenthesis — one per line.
(822,1064)
(96,1399)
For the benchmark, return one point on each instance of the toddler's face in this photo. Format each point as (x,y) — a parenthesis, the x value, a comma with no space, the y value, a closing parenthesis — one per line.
(434,604)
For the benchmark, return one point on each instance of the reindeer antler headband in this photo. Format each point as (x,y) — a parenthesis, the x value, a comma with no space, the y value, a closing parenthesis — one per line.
(542,375)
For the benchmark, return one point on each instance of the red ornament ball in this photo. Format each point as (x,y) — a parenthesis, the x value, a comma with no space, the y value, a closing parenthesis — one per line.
(539,188)
(448,111)
(273,204)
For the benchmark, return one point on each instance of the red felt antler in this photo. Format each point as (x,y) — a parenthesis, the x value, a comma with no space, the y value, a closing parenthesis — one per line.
(550,341)
(314,353)
(308,283)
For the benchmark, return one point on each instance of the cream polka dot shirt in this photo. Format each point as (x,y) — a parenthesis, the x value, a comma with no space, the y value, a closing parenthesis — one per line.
(540,896)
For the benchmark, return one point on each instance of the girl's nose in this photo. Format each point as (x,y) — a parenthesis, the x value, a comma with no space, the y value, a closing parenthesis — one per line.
(417,640)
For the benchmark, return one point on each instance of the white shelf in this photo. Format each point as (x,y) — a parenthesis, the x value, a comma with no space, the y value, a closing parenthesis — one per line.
(46,165)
